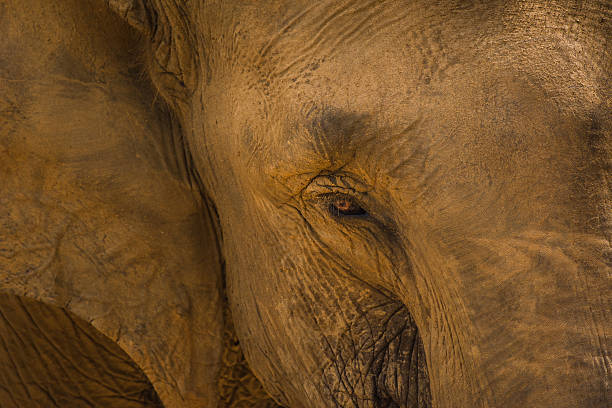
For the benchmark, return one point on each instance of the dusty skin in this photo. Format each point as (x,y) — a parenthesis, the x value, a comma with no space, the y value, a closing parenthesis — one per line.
(305,203)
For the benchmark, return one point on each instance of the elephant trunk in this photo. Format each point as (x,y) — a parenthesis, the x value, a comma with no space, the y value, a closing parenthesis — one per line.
(517,322)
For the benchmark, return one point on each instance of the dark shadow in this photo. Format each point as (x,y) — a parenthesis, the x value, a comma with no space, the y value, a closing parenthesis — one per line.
(51,358)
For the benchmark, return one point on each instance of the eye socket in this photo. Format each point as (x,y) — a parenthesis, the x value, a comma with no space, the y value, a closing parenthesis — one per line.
(342,204)
(340,195)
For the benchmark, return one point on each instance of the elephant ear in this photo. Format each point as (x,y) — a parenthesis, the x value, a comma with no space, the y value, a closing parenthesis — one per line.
(98,218)
(136,13)
(169,42)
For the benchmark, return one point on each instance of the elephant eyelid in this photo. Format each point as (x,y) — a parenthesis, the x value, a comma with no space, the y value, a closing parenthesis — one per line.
(332,183)
(322,191)
(341,196)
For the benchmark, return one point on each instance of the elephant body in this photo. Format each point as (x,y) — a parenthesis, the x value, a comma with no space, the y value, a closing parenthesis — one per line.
(379,203)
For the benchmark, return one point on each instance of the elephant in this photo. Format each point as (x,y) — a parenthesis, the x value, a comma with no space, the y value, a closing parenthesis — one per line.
(305,203)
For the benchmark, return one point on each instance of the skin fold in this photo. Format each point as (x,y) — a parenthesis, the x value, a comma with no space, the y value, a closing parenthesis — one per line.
(102,376)
(380,203)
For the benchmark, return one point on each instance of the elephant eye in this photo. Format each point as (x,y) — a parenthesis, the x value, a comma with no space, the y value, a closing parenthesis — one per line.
(342,204)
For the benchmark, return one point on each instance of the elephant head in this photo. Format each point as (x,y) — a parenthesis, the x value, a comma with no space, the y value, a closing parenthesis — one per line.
(397,204)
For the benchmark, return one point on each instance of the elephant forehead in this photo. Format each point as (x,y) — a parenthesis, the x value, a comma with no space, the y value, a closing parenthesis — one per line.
(284,40)
(285,45)
(313,96)
(320,82)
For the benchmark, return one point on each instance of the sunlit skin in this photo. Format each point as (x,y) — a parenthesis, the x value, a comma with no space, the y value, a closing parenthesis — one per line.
(443,131)
(395,204)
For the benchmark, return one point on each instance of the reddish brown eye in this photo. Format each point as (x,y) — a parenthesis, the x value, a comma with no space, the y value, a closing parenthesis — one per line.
(343,205)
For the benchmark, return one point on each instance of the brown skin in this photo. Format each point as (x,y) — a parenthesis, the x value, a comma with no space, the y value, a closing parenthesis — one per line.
(99,215)
(476,139)
(96,214)
(51,358)
(413,198)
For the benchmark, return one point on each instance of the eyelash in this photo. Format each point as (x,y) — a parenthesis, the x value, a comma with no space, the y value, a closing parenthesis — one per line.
(324,190)
(341,196)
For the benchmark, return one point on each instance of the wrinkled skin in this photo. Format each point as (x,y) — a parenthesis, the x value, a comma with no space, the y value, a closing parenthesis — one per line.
(411,199)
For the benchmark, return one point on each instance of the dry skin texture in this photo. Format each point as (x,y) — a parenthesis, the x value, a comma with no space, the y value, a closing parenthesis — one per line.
(298,203)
